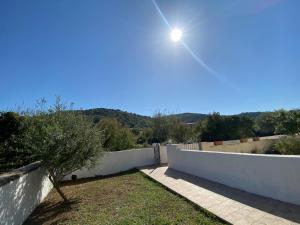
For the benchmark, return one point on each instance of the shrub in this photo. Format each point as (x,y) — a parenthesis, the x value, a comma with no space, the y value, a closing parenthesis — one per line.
(287,122)
(265,124)
(116,137)
(180,132)
(12,153)
(288,146)
(278,122)
(145,137)
(245,127)
(216,127)
(160,126)
(213,128)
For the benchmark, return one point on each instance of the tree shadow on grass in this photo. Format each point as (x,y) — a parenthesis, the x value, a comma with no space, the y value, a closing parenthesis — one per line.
(54,211)
(95,178)
(51,212)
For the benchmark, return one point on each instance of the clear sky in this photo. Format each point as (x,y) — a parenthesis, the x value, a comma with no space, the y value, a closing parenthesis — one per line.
(118,54)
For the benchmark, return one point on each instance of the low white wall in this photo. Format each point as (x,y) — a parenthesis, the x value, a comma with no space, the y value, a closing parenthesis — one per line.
(272,176)
(163,154)
(115,162)
(20,196)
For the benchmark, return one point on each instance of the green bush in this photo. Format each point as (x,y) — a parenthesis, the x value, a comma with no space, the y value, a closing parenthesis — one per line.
(287,122)
(160,126)
(116,137)
(288,146)
(278,122)
(221,128)
(213,128)
(265,124)
(12,152)
(180,132)
(145,137)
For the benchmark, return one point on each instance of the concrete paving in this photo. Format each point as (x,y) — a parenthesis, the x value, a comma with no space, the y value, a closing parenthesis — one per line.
(233,205)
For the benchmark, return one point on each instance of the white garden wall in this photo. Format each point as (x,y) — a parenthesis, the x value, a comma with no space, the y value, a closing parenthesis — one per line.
(21,192)
(115,162)
(272,176)
(163,154)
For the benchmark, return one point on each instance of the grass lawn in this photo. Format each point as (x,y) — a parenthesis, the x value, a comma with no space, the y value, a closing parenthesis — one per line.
(129,198)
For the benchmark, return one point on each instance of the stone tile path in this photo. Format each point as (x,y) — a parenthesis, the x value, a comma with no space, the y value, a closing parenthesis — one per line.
(232,205)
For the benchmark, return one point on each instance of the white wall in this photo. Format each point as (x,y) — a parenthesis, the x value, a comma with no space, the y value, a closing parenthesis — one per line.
(163,154)
(19,197)
(272,176)
(115,162)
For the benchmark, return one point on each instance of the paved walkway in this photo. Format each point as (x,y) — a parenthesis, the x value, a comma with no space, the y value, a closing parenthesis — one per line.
(232,205)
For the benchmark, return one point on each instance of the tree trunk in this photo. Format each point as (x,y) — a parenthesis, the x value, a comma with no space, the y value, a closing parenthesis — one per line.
(57,188)
(62,195)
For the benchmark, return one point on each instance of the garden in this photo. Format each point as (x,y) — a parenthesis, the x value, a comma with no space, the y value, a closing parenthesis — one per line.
(127,198)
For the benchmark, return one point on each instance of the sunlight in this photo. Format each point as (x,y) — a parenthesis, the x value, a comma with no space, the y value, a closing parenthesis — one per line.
(176,35)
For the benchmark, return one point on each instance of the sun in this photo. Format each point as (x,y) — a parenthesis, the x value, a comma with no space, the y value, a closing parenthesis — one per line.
(176,35)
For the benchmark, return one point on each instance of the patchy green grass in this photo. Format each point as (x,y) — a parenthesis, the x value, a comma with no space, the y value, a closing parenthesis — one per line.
(129,198)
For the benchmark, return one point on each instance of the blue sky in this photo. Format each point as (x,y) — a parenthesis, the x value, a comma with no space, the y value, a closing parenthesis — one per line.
(118,54)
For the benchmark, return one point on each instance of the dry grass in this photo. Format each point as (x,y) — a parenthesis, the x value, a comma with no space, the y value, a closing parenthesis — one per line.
(129,198)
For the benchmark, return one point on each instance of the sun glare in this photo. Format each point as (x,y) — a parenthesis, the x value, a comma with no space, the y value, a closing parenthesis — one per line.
(176,35)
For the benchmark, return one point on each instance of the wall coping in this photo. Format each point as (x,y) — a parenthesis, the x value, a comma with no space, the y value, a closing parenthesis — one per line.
(17,173)
(242,154)
(129,150)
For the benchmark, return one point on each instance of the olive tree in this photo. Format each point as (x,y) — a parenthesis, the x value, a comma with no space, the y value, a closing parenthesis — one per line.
(64,141)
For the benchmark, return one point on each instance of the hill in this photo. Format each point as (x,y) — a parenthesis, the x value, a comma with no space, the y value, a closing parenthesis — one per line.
(131,120)
(251,114)
(194,117)
(134,120)
(189,117)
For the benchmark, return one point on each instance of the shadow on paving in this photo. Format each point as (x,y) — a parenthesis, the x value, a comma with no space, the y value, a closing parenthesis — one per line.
(278,208)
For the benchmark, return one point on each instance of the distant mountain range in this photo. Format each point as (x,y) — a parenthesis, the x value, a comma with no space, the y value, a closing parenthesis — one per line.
(134,120)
